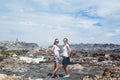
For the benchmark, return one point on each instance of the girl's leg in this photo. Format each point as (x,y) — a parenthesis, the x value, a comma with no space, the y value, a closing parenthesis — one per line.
(55,70)
(54,66)
(66,68)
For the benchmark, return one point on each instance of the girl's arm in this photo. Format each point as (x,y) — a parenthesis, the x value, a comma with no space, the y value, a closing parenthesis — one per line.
(53,48)
(69,51)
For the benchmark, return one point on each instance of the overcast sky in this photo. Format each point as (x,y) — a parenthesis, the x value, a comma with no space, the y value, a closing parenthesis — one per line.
(41,21)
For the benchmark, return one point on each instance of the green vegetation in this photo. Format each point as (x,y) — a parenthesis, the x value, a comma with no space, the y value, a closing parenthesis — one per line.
(7,53)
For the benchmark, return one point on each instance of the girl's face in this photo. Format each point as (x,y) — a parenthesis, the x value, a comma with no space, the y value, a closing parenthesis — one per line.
(64,41)
(57,41)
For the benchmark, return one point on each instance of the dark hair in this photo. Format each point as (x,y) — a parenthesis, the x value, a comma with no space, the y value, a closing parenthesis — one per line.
(56,41)
(66,39)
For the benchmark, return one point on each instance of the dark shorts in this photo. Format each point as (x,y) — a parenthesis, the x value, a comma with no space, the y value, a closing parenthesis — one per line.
(66,61)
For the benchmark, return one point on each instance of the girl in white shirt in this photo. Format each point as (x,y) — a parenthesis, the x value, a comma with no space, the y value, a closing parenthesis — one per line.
(55,51)
(66,57)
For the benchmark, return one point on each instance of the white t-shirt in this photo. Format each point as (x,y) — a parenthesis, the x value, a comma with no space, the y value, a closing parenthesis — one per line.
(56,51)
(65,50)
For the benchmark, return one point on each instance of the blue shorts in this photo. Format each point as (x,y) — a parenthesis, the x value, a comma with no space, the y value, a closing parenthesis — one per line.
(56,60)
(66,61)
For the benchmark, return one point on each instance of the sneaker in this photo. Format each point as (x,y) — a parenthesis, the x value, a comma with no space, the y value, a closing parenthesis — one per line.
(66,76)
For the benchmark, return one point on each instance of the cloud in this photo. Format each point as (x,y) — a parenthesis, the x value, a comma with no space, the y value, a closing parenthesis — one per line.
(42,21)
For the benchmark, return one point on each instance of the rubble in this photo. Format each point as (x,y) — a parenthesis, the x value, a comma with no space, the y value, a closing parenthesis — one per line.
(37,51)
(6,77)
(1,58)
(33,60)
(36,64)
(13,65)
(76,67)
